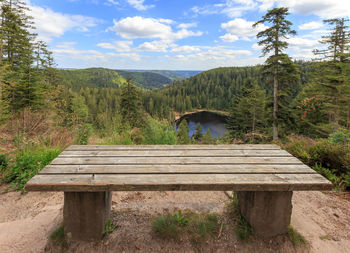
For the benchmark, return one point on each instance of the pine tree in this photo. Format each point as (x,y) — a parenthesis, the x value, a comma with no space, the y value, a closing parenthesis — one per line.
(249,114)
(182,133)
(207,137)
(197,136)
(332,86)
(273,39)
(130,105)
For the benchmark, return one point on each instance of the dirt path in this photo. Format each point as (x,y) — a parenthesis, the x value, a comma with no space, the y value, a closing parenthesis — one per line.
(27,220)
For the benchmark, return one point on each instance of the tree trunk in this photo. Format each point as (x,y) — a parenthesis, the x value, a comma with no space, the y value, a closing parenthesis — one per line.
(275,106)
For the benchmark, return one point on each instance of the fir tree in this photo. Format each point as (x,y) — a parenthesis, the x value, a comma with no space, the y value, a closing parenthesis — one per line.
(130,104)
(207,137)
(273,39)
(182,133)
(197,136)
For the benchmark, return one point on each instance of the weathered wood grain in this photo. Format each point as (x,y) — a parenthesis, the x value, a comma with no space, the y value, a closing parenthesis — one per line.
(178,169)
(180,182)
(177,153)
(175,160)
(174,147)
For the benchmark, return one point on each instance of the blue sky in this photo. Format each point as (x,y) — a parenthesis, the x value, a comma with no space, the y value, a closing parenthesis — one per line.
(172,34)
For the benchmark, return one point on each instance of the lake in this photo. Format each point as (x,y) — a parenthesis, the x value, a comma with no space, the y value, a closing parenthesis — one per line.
(208,120)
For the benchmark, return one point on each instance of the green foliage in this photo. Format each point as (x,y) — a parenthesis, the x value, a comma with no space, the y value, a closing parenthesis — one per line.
(242,229)
(182,133)
(147,79)
(27,164)
(92,77)
(197,226)
(130,105)
(326,157)
(207,137)
(156,132)
(198,135)
(167,227)
(57,237)
(299,149)
(83,134)
(109,227)
(296,238)
(203,225)
(339,138)
(4,161)
(180,219)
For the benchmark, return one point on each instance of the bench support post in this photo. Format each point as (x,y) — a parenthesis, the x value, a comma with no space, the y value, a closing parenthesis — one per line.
(268,213)
(85,214)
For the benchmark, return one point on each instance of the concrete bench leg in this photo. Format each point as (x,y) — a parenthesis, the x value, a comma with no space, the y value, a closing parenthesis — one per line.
(85,214)
(268,213)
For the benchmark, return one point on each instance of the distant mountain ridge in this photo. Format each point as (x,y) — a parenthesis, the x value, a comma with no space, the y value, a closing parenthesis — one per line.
(107,78)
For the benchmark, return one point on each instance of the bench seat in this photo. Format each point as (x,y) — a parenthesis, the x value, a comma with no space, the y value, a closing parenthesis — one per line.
(265,175)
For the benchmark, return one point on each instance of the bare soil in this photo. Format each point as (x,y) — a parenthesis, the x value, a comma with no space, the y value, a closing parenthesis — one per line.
(27,220)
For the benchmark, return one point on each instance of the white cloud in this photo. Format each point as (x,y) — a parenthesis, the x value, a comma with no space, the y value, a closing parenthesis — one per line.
(156,46)
(229,37)
(231,8)
(240,29)
(321,8)
(139,27)
(119,45)
(139,5)
(111,2)
(310,25)
(187,25)
(51,24)
(185,49)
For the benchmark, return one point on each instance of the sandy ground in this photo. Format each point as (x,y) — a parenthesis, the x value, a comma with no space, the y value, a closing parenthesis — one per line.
(27,220)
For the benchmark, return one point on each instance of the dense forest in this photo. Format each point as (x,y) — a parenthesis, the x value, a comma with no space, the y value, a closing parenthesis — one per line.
(304,106)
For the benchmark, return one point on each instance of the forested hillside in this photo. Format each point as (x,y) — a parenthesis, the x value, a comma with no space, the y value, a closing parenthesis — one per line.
(146,80)
(93,78)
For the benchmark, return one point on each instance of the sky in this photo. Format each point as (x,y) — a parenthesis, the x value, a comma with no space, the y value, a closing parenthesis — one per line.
(173,34)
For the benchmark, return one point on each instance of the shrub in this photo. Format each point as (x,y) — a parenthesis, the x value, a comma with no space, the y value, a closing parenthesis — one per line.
(339,138)
(333,157)
(27,164)
(4,160)
(299,150)
(158,133)
(83,134)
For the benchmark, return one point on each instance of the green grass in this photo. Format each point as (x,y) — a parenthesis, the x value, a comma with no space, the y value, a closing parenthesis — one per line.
(109,227)
(296,238)
(242,227)
(196,226)
(57,237)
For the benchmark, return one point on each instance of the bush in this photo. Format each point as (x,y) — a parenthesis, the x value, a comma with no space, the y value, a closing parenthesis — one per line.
(4,160)
(26,165)
(158,133)
(83,132)
(339,138)
(299,150)
(333,157)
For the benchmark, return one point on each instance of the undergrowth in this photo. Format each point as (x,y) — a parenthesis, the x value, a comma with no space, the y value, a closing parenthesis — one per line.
(25,164)
(242,227)
(196,226)
(296,238)
(57,237)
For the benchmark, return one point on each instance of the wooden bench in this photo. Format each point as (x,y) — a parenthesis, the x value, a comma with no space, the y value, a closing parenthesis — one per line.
(264,177)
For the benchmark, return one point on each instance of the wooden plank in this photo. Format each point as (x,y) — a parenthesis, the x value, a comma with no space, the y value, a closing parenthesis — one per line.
(183,153)
(174,147)
(175,160)
(177,169)
(180,182)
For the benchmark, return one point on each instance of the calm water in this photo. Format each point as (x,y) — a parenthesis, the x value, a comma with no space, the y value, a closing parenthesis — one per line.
(208,120)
